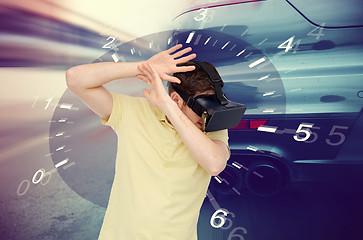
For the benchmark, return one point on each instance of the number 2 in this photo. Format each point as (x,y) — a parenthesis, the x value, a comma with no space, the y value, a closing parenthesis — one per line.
(108,45)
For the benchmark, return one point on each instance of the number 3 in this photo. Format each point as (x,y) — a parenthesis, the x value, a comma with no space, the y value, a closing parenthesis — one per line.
(202,13)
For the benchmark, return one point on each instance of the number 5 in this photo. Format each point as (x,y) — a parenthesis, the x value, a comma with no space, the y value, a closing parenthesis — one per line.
(307,132)
(341,135)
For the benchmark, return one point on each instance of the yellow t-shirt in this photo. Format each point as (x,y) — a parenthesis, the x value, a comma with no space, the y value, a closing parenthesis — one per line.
(158,187)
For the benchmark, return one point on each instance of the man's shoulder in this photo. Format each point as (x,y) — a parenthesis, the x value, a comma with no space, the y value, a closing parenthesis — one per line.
(135,104)
(128,98)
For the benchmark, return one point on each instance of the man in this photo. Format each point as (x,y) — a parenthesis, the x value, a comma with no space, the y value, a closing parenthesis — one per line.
(164,160)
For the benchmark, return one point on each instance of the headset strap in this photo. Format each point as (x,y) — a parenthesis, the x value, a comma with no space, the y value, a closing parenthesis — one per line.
(190,101)
(216,80)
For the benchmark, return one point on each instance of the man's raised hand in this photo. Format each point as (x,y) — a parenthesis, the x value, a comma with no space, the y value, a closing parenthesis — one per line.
(157,97)
(165,62)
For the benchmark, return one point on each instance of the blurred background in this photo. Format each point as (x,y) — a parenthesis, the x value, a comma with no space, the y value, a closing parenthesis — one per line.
(56,160)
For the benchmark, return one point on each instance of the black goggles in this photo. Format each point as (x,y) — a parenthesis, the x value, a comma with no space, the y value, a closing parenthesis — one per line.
(216,111)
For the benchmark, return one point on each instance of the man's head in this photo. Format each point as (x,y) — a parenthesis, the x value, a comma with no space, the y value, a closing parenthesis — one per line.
(194,83)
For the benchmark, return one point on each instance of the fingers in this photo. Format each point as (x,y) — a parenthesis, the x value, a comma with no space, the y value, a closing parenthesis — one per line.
(186,58)
(146,92)
(172,79)
(150,71)
(150,76)
(146,71)
(143,78)
(186,68)
(173,49)
(182,52)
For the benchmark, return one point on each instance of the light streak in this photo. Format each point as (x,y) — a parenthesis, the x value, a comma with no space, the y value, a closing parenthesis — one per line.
(236,165)
(66,106)
(244,32)
(259,61)
(295,90)
(205,43)
(240,52)
(236,191)
(268,93)
(61,163)
(264,40)
(248,55)
(257,174)
(213,201)
(264,77)
(267,129)
(60,148)
(198,38)
(69,165)
(239,166)
(225,45)
(218,179)
(223,27)
(115,57)
(252,148)
(190,37)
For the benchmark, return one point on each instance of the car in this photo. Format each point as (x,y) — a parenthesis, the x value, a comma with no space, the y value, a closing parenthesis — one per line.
(298,69)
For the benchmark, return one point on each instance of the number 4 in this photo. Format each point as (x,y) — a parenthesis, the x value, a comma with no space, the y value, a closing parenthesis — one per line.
(288,44)
(319,29)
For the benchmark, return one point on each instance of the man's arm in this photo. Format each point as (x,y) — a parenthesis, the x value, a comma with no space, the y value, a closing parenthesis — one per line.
(86,81)
(212,155)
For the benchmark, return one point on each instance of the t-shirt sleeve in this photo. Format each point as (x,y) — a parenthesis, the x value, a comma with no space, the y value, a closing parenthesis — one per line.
(120,103)
(221,135)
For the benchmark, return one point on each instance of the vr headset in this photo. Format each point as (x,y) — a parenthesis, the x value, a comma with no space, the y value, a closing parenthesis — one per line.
(216,111)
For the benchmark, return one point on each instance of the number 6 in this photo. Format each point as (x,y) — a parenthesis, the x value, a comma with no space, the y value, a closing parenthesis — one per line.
(232,233)
(220,217)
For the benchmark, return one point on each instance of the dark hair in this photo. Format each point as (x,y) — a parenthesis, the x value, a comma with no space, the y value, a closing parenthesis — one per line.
(196,81)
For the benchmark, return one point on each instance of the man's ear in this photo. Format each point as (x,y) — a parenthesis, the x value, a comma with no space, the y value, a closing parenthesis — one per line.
(176,98)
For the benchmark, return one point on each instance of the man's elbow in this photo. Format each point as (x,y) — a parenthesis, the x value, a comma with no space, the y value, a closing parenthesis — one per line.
(217,168)
(72,78)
